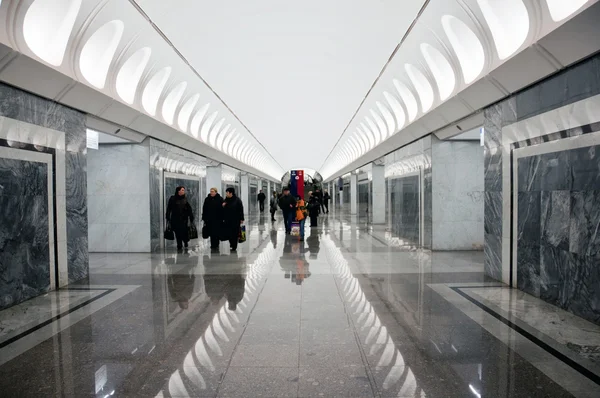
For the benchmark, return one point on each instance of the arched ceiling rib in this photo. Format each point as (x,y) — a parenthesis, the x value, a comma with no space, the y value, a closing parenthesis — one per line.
(114,47)
(144,55)
(452,45)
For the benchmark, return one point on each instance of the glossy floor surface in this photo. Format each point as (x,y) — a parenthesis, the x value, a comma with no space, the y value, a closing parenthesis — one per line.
(352,311)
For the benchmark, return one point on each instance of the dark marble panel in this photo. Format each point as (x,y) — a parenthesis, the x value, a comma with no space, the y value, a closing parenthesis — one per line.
(555,218)
(508,107)
(528,271)
(554,274)
(492,251)
(582,287)
(19,105)
(493,213)
(585,164)
(492,125)
(406,208)
(428,207)
(555,171)
(529,171)
(529,218)
(155,212)
(77,219)
(26,107)
(493,169)
(585,223)
(546,172)
(24,237)
(574,84)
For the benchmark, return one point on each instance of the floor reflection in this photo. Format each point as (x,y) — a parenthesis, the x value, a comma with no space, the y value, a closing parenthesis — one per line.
(346,313)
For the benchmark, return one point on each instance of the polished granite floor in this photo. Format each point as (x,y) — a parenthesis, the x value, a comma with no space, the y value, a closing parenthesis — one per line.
(352,311)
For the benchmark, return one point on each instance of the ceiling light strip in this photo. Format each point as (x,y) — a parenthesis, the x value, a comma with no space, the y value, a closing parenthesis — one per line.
(410,28)
(184,59)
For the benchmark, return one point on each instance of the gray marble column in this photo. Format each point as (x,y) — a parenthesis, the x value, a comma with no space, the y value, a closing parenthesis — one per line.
(353,193)
(378,197)
(244,193)
(213,178)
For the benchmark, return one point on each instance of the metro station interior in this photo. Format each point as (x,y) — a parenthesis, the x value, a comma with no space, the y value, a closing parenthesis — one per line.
(450,152)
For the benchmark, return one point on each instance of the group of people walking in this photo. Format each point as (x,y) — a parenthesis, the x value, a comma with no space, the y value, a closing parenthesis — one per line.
(222,217)
(297,209)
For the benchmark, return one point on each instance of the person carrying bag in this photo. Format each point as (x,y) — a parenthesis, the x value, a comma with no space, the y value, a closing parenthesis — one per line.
(301,214)
(180,218)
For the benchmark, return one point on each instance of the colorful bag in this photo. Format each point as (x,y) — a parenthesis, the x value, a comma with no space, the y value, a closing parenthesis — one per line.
(242,237)
(192,231)
(295,229)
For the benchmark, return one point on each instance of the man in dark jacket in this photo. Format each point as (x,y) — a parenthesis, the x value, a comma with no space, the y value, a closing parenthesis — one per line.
(319,196)
(261,200)
(326,199)
(233,217)
(287,204)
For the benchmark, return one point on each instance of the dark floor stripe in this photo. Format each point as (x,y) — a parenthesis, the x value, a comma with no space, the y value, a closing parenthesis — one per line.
(57,317)
(551,350)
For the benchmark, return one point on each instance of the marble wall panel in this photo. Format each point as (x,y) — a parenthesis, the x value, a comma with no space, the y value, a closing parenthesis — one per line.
(574,84)
(118,178)
(405,199)
(25,262)
(584,236)
(22,106)
(77,221)
(494,118)
(363,199)
(156,229)
(427,200)
(555,209)
(558,243)
(411,161)
(554,102)
(193,193)
(458,195)
(166,158)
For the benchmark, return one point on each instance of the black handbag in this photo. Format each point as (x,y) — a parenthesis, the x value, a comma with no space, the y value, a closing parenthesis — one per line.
(192,231)
(169,234)
(205,232)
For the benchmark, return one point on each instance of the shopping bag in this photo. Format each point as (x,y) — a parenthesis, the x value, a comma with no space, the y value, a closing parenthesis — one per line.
(192,231)
(242,237)
(295,229)
(169,234)
(205,232)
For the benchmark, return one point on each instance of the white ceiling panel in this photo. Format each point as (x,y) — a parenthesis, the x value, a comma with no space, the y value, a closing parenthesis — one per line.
(287,69)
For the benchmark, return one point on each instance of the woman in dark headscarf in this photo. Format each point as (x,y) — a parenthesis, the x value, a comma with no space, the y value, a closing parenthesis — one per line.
(179,212)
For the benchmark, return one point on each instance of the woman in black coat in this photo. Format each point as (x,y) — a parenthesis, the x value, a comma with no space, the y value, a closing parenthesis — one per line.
(212,215)
(314,208)
(179,212)
(273,205)
(233,217)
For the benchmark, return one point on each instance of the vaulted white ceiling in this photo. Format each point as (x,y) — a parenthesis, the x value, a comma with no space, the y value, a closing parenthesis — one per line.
(263,85)
(293,72)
